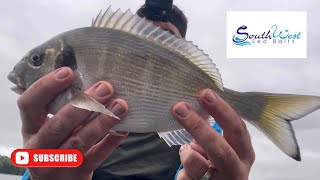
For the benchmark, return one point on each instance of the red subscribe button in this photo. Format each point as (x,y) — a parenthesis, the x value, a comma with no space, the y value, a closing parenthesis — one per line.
(46,158)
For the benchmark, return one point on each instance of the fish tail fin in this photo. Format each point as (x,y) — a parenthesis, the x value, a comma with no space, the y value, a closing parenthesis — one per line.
(277,111)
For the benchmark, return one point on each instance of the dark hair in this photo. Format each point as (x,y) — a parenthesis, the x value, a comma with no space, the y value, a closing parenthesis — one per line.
(175,16)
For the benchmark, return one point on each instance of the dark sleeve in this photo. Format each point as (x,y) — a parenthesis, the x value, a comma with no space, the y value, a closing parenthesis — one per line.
(140,156)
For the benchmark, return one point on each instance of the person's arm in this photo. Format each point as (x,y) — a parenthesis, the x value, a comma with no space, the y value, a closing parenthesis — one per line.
(60,131)
(223,157)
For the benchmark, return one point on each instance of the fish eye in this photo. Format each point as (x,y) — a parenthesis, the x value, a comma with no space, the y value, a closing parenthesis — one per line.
(35,60)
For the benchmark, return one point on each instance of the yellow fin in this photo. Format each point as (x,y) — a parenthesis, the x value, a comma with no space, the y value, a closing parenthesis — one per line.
(278,111)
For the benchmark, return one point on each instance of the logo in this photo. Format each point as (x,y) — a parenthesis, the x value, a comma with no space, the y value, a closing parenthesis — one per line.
(275,36)
(22,158)
(266,34)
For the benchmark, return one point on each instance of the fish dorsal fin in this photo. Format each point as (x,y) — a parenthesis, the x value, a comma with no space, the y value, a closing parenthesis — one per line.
(133,24)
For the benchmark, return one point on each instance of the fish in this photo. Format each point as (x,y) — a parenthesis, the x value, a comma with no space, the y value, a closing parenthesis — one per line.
(153,69)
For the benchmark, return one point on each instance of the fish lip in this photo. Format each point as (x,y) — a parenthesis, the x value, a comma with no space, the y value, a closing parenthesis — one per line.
(18,90)
(12,77)
(16,80)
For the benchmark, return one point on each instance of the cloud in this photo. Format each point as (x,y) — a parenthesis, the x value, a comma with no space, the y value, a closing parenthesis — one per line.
(272,164)
(6,151)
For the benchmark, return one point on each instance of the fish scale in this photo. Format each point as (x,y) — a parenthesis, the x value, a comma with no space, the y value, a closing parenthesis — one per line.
(139,82)
(140,67)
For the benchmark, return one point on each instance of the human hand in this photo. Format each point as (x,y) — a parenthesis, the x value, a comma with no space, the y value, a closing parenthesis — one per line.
(220,157)
(66,129)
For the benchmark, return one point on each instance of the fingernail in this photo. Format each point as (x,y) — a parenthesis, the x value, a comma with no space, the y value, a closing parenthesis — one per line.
(210,97)
(62,73)
(117,109)
(102,90)
(182,110)
(184,147)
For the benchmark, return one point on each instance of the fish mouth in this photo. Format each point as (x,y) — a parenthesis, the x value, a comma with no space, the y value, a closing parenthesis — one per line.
(20,86)
(18,90)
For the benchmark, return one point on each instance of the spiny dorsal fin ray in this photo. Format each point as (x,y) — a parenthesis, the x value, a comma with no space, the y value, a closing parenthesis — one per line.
(131,23)
(95,20)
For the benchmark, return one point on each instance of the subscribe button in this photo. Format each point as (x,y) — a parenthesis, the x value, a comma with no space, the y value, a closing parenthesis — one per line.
(46,158)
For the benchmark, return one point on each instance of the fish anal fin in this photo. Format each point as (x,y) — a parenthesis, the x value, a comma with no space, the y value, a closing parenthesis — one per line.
(179,137)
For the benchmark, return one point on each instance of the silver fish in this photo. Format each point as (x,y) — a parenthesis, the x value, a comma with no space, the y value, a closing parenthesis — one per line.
(152,69)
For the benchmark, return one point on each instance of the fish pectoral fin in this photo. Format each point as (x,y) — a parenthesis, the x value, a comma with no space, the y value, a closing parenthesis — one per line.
(179,137)
(83,101)
(115,133)
(276,115)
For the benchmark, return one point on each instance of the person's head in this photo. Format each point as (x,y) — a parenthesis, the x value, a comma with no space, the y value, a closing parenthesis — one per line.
(177,21)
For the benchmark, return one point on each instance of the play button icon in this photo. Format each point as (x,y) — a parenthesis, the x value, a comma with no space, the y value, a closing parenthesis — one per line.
(22,158)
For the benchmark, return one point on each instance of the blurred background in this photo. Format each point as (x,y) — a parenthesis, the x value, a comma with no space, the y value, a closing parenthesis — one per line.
(26,24)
